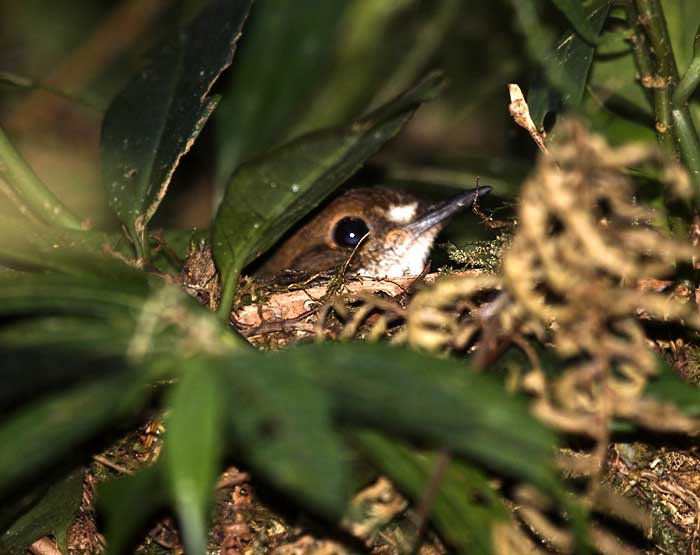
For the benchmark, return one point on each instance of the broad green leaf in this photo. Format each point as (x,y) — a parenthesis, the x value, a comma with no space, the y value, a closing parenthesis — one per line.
(433,400)
(280,60)
(32,370)
(51,515)
(155,120)
(282,424)
(51,427)
(193,449)
(85,295)
(579,19)
(266,196)
(612,78)
(436,401)
(683,21)
(127,503)
(34,246)
(381,49)
(566,68)
(466,505)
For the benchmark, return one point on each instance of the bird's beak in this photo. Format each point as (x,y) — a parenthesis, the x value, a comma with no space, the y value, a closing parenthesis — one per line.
(445,210)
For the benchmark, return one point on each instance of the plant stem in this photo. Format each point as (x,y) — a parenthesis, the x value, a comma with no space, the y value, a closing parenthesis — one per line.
(29,187)
(674,125)
(688,84)
(228,291)
(664,72)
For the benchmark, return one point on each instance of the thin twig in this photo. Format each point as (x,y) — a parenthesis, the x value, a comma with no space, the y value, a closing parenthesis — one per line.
(521,114)
(104,461)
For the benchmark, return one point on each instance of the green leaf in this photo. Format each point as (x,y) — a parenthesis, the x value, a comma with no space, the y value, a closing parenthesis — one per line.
(432,400)
(51,515)
(683,22)
(579,19)
(566,69)
(193,449)
(37,367)
(85,295)
(668,387)
(280,61)
(51,427)
(281,423)
(266,196)
(435,401)
(381,49)
(127,503)
(466,505)
(34,246)
(155,120)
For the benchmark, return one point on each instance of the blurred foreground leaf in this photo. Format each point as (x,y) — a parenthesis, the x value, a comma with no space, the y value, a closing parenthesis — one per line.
(268,195)
(667,386)
(51,515)
(466,505)
(284,424)
(155,120)
(194,445)
(50,427)
(281,58)
(127,503)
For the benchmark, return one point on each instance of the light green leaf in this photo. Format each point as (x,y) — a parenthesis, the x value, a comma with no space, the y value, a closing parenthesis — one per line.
(193,449)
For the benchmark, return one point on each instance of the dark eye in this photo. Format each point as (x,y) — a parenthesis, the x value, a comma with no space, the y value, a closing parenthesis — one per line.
(349,231)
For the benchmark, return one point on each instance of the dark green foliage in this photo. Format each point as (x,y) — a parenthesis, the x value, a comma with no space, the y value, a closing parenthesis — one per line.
(51,514)
(155,120)
(92,332)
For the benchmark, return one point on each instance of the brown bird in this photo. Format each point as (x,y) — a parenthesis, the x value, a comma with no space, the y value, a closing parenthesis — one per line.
(396,230)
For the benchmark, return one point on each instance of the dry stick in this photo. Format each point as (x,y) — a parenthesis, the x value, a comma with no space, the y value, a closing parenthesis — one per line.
(430,493)
(44,546)
(520,111)
(104,461)
(110,39)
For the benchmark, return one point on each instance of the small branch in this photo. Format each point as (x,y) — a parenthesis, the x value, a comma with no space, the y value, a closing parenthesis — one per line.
(674,125)
(104,461)
(661,75)
(29,187)
(521,114)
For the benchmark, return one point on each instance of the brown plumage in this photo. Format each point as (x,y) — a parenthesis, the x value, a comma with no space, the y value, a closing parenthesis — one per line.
(400,228)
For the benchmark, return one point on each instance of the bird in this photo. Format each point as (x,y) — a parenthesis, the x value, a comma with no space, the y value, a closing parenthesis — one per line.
(377,232)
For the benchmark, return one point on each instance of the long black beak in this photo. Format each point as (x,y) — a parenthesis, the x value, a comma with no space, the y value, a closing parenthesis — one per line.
(443,211)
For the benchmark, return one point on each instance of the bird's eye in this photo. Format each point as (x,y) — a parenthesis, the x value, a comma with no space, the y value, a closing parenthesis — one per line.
(349,231)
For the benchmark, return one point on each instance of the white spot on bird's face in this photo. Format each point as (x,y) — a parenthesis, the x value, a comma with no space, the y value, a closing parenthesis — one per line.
(402,213)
